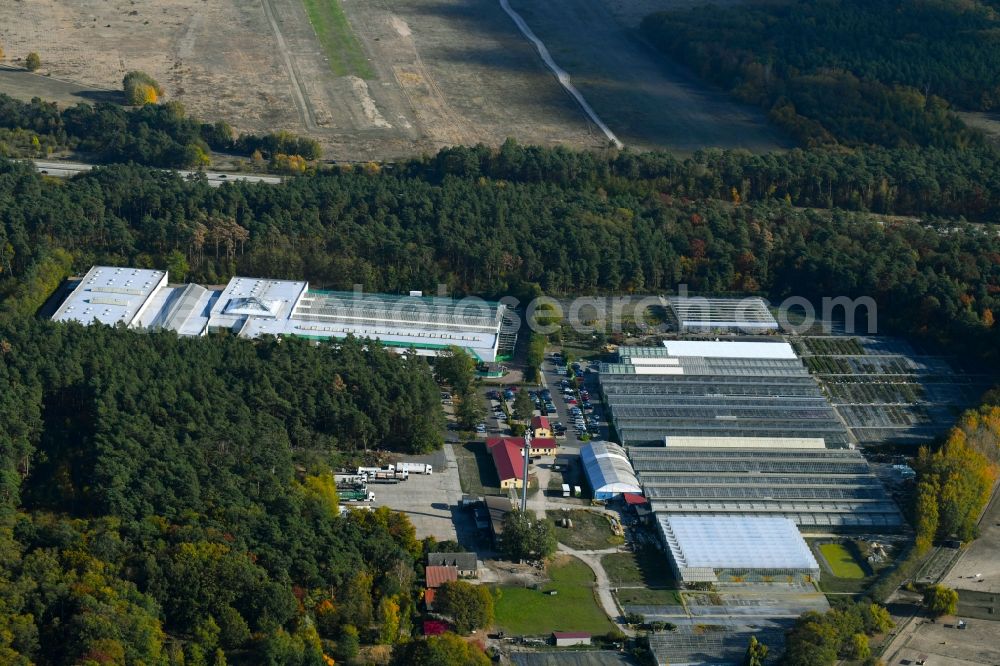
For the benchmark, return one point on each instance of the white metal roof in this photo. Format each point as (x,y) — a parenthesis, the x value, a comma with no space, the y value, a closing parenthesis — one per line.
(672,441)
(111,295)
(730,349)
(256,297)
(735,542)
(608,468)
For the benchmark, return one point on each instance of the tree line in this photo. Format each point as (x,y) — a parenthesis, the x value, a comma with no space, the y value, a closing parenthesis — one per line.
(847,71)
(160,135)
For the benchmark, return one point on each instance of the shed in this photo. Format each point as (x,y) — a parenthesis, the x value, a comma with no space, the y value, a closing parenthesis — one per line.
(570,638)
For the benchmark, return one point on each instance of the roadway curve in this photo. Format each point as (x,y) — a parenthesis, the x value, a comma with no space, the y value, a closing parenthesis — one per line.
(561,75)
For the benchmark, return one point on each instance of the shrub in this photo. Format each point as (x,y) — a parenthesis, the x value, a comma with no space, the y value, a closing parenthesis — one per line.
(141,89)
(32,62)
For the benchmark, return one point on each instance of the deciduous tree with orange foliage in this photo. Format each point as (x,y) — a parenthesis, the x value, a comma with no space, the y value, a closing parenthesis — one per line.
(957,479)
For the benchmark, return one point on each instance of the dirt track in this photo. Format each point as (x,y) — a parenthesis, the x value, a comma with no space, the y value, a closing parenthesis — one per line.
(647,101)
(446,71)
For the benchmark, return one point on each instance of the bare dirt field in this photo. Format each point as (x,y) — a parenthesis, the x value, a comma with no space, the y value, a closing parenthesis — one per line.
(436,72)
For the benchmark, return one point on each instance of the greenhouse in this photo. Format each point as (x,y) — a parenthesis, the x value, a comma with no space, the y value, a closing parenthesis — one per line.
(608,470)
(720,315)
(707,549)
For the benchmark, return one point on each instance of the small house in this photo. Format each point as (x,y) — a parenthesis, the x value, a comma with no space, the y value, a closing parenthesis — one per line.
(540,427)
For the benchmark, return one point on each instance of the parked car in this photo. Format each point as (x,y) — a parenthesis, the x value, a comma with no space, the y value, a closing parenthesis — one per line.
(481,427)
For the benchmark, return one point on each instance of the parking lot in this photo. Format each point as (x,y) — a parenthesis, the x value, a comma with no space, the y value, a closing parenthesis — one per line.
(430,501)
(552,376)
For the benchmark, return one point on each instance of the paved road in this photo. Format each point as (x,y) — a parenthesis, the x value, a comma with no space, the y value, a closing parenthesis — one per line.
(215,178)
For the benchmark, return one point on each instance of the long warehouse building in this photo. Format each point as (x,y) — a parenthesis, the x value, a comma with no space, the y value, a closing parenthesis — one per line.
(252,307)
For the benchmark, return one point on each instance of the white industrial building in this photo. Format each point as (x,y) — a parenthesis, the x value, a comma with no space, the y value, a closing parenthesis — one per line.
(608,470)
(720,315)
(252,307)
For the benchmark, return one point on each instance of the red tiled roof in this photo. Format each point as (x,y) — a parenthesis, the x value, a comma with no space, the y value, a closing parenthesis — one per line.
(429,594)
(633,498)
(544,443)
(570,634)
(507,457)
(437,576)
(540,422)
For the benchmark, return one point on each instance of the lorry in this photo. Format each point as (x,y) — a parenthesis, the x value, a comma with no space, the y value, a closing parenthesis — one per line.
(349,479)
(371,471)
(415,468)
(356,495)
(388,477)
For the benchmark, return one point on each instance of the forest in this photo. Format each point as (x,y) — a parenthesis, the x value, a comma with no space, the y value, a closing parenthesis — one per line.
(847,71)
(168,500)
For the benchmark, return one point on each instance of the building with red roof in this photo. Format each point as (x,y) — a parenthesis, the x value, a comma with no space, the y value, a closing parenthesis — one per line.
(544,446)
(507,458)
(438,575)
(570,638)
(634,499)
(540,427)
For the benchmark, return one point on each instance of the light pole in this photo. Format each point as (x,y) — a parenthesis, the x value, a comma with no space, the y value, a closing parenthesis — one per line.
(527,457)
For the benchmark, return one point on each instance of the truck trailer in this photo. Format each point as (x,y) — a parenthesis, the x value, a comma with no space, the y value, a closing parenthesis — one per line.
(415,468)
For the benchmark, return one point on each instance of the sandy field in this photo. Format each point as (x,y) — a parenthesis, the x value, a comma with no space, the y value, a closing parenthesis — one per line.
(441,72)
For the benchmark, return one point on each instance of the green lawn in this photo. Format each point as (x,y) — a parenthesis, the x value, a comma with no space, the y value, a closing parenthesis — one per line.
(522,611)
(590,531)
(476,472)
(644,596)
(841,562)
(335,35)
(648,567)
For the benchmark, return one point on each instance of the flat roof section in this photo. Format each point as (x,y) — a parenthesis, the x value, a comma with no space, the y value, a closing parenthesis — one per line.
(730,349)
(111,295)
(256,297)
(680,441)
(735,542)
